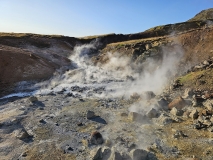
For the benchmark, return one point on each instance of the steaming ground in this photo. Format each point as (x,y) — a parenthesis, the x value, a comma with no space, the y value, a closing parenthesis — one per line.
(63,102)
(118,77)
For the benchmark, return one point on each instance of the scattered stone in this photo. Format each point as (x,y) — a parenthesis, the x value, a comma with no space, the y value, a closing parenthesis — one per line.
(208,95)
(149,95)
(69,94)
(106,152)
(131,146)
(133,116)
(186,114)
(108,142)
(179,134)
(148,46)
(209,105)
(188,93)
(199,125)
(194,114)
(80,124)
(96,153)
(100,153)
(96,138)
(162,103)
(21,134)
(68,148)
(176,112)
(152,113)
(42,121)
(194,103)
(176,84)
(207,122)
(200,119)
(198,100)
(24,154)
(135,96)
(33,99)
(138,154)
(178,103)
(205,62)
(90,114)
(211,119)
(22,108)
(123,114)
(115,155)
(164,119)
(210,129)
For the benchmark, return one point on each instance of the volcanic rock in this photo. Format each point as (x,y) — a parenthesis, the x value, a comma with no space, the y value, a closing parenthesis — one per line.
(194,114)
(115,155)
(90,114)
(176,112)
(96,138)
(152,113)
(138,154)
(21,134)
(96,153)
(162,103)
(188,93)
(209,105)
(178,103)
(133,116)
(33,99)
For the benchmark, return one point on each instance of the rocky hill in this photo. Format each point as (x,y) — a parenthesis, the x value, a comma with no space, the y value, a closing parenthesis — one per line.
(203,15)
(146,95)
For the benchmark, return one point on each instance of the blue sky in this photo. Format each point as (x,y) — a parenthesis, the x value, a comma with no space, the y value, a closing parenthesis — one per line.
(79,18)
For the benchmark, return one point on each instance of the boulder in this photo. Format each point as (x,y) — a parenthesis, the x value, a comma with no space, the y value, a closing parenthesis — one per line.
(163,104)
(148,46)
(96,138)
(123,114)
(21,134)
(198,99)
(148,95)
(90,114)
(186,114)
(135,96)
(133,116)
(33,99)
(164,120)
(194,114)
(106,152)
(152,113)
(115,155)
(178,103)
(188,93)
(206,62)
(179,134)
(209,105)
(138,154)
(176,112)
(96,153)
(208,95)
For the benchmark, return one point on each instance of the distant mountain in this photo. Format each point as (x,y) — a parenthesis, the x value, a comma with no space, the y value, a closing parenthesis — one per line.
(203,15)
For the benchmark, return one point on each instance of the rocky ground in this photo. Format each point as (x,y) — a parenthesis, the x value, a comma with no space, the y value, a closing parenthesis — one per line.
(75,123)
(62,126)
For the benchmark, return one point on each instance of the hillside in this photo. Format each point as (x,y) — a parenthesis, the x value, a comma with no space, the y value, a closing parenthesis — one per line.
(203,15)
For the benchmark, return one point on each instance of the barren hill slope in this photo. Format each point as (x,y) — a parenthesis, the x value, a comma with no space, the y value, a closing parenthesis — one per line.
(50,52)
(203,15)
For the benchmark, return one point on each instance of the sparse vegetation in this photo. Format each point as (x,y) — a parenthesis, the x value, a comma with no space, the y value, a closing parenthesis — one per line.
(203,15)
